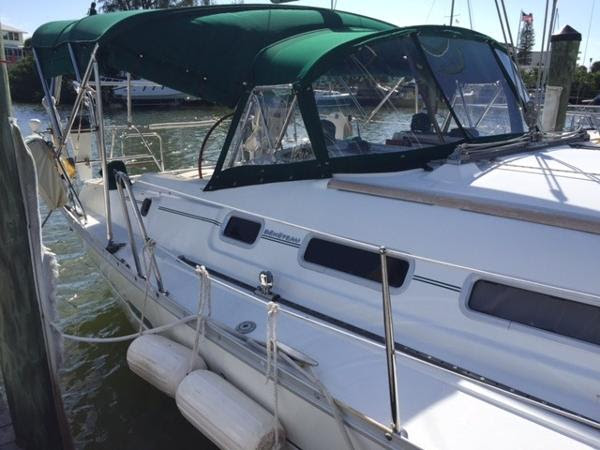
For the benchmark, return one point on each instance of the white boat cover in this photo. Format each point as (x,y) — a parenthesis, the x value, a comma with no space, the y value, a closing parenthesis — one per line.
(50,184)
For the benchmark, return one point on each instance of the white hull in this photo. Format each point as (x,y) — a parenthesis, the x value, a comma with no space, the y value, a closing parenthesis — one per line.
(299,412)
(351,366)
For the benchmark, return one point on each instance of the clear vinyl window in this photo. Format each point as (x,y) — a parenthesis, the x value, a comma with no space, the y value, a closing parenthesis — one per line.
(474,84)
(513,72)
(270,131)
(381,99)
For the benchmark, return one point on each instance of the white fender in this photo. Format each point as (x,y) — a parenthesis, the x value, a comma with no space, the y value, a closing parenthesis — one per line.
(224,414)
(161,362)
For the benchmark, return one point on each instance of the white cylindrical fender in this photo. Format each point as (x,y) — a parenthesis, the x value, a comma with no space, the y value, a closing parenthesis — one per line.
(161,362)
(224,414)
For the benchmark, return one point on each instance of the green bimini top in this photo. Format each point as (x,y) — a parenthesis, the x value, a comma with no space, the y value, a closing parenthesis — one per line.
(216,53)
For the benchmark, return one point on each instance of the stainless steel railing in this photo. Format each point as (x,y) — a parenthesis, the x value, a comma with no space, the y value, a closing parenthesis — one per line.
(120,134)
(390,342)
(124,186)
(124,134)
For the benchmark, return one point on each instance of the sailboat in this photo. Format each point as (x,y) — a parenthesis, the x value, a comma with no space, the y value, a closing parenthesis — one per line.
(367,276)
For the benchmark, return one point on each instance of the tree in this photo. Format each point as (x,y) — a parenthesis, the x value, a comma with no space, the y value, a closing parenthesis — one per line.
(124,5)
(586,85)
(526,43)
(595,67)
(24,82)
(529,78)
(25,85)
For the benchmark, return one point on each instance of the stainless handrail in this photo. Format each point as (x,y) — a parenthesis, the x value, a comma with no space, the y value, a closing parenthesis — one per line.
(142,135)
(79,99)
(134,252)
(102,150)
(390,347)
(123,181)
(160,163)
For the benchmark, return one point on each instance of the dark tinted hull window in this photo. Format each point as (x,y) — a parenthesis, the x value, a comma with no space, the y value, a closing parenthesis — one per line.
(242,230)
(565,317)
(354,261)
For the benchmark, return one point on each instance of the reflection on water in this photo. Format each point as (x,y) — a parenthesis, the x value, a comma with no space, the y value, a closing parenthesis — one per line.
(107,405)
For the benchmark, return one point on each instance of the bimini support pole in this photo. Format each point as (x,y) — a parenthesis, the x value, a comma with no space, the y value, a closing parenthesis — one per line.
(80,96)
(129,112)
(74,61)
(50,103)
(56,131)
(390,349)
(102,151)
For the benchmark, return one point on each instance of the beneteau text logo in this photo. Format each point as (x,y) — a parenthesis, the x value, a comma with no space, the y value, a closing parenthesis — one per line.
(281,237)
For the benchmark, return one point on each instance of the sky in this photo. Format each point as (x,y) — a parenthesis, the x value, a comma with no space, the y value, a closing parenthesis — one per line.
(29,14)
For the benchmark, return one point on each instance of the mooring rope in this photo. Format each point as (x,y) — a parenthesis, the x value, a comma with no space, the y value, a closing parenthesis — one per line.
(148,254)
(127,337)
(312,377)
(203,312)
(272,372)
(149,259)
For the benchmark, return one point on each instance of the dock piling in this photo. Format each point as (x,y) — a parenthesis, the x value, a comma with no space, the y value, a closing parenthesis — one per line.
(563,61)
(32,391)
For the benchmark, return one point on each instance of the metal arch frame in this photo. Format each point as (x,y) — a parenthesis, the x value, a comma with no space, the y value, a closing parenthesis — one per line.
(95,105)
(55,121)
(62,135)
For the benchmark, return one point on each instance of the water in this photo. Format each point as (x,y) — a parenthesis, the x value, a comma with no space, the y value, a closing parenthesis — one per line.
(107,405)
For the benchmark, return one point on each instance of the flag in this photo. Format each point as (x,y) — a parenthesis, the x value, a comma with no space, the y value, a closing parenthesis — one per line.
(527,18)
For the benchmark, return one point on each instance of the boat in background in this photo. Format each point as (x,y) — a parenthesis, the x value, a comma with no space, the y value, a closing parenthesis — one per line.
(325,97)
(145,93)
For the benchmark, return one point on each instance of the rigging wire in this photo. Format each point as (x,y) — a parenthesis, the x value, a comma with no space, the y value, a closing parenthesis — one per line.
(512,44)
(587,39)
(470,15)
(510,48)
(538,84)
(547,52)
(430,11)
(501,22)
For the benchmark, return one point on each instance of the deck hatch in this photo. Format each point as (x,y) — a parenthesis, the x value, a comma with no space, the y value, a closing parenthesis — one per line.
(354,261)
(243,230)
(546,312)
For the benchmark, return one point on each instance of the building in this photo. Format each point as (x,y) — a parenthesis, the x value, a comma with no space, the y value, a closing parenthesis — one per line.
(13,43)
(535,58)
